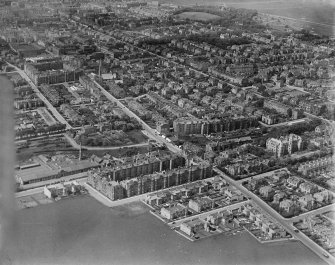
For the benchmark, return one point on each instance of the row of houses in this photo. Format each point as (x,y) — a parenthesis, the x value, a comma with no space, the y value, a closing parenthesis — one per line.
(135,166)
(141,184)
(264,223)
(199,204)
(316,165)
(190,125)
(173,194)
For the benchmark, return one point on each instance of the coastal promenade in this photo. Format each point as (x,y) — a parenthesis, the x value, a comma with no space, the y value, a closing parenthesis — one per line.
(71,229)
(108,202)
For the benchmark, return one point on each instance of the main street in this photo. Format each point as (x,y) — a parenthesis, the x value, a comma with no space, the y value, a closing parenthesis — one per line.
(150,131)
(58,116)
(286,223)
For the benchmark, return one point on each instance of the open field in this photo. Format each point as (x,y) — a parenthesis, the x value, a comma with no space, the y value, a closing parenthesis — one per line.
(198,16)
(218,2)
(193,2)
(136,136)
(315,15)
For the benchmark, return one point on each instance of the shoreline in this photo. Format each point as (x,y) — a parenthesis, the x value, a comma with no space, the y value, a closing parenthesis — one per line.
(84,222)
(279,240)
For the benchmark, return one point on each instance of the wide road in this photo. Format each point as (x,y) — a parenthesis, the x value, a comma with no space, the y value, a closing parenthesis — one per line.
(286,223)
(42,97)
(150,132)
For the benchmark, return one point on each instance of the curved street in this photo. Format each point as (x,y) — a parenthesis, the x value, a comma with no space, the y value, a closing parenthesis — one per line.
(96,148)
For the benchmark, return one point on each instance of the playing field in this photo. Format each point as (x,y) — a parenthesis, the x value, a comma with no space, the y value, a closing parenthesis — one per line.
(198,16)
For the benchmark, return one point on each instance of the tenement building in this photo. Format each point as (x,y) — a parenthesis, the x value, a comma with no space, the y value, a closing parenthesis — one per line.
(143,165)
(50,72)
(103,181)
(190,125)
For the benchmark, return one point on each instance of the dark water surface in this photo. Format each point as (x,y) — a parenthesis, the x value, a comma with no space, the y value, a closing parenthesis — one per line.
(82,231)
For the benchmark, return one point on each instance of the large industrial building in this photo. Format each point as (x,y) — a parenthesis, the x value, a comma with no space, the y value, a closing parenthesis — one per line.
(44,168)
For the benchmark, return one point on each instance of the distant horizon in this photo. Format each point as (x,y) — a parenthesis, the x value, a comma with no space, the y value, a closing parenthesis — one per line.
(311,13)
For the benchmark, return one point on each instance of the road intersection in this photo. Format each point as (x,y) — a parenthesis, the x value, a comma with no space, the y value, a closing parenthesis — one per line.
(286,223)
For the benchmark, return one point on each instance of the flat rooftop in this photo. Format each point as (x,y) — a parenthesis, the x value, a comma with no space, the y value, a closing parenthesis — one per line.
(51,168)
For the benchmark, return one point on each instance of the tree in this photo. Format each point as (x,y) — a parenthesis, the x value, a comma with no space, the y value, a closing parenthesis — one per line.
(105,142)
(90,142)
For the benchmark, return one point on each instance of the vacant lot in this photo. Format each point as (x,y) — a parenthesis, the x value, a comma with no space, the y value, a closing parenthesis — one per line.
(198,16)
(137,137)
